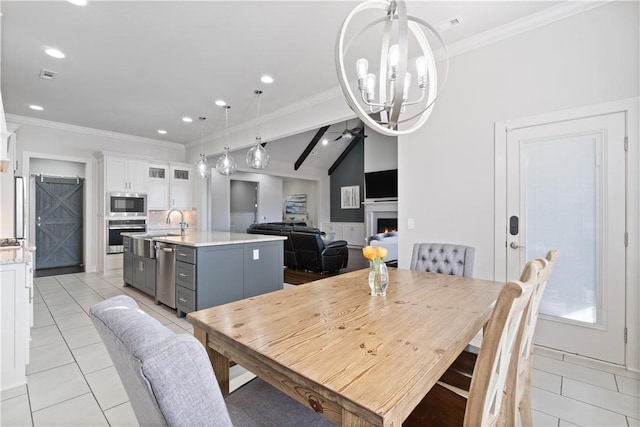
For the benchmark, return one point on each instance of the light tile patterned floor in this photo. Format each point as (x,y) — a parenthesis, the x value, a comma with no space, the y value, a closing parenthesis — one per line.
(72,382)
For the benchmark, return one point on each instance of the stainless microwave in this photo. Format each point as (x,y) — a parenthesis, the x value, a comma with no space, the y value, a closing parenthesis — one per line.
(126,204)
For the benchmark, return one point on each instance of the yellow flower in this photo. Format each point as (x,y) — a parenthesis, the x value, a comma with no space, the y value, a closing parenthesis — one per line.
(372,253)
(382,252)
(369,252)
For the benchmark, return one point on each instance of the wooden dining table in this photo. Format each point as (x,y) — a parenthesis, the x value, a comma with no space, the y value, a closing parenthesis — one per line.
(357,359)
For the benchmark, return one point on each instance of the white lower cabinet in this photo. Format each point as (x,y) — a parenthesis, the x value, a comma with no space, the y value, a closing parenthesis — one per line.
(17,318)
(352,232)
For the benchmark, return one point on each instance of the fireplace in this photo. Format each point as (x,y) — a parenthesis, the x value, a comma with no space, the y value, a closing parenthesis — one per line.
(387,225)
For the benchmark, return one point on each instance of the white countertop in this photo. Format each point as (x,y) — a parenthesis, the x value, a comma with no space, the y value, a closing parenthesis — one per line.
(214,238)
(17,255)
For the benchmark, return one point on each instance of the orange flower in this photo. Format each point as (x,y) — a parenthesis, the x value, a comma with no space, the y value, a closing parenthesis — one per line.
(369,252)
(382,252)
(372,253)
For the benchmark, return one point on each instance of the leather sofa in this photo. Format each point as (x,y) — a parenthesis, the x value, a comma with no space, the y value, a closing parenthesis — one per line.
(305,247)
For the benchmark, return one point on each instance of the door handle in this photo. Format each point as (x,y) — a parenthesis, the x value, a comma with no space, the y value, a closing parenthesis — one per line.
(514,245)
(38,221)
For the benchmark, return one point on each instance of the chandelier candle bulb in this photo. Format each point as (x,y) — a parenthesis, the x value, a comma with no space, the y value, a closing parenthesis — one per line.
(362,67)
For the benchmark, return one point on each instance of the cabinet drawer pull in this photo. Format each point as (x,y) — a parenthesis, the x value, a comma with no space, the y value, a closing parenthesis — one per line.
(183,275)
(183,300)
(181,254)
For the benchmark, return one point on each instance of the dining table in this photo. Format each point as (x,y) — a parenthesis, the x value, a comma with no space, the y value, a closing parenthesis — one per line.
(355,358)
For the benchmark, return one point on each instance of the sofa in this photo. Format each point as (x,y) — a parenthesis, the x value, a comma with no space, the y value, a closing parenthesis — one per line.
(306,248)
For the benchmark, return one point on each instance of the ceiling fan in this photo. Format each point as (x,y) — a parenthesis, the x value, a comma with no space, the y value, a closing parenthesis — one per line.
(349,133)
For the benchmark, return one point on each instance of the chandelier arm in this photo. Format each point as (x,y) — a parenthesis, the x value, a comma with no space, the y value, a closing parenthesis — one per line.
(422,95)
(370,104)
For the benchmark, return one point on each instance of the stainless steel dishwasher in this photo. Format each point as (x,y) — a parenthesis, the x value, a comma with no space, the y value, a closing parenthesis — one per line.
(166,279)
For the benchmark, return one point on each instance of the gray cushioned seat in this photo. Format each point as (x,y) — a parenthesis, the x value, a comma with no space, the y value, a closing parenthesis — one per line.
(170,382)
(445,258)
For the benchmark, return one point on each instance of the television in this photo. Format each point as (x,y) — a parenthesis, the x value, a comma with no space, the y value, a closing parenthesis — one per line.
(381,184)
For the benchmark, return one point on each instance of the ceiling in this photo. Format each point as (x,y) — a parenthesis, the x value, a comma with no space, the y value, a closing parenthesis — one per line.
(136,67)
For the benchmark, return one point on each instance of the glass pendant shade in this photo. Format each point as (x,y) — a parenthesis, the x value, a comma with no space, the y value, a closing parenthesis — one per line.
(226,164)
(202,166)
(257,156)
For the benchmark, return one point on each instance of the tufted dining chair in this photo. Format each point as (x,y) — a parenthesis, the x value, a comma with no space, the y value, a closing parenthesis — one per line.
(445,258)
(170,382)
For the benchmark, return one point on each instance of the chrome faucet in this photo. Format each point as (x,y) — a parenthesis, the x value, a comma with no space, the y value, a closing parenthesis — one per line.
(182,223)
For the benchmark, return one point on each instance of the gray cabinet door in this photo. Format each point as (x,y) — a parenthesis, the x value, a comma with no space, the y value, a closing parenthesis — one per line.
(264,274)
(59,219)
(127,266)
(220,275)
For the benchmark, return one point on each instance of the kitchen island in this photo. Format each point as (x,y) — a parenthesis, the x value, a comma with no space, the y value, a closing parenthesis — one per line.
(215,267)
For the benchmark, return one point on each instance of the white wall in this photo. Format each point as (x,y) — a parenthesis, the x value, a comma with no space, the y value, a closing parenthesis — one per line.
(451,159)
(269,198)
(57,167)
(303,186)
(380,152)
(39,141)
(446,169)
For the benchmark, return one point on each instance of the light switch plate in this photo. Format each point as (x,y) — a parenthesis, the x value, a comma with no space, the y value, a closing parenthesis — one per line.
(411,223)
(256,254)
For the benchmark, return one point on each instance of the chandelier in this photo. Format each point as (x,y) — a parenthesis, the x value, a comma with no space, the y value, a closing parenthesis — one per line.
(387,102)
(226,164)
(257,156)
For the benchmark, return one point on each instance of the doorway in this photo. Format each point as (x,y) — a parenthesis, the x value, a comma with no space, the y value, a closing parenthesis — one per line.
(59,225)
(243,205)
(566,189)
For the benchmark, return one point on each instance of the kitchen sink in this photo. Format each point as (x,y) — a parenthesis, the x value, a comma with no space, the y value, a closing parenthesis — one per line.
(144,246)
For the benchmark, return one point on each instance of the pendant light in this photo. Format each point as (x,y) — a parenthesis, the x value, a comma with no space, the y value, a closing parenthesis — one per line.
(257,156)
(226,164)
(202,166)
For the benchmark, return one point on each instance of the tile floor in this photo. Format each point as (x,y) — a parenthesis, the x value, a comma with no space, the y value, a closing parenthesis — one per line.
(72,382)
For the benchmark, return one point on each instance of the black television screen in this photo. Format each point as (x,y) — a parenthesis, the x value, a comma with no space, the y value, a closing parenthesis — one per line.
(381,185)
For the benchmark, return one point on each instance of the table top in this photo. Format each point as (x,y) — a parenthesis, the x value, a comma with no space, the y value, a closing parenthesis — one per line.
(376,356)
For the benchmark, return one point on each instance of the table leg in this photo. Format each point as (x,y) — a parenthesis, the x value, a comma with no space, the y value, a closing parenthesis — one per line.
(219,362)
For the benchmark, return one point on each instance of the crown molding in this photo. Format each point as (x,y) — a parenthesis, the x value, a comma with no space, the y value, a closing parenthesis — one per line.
(519,26)
(502,32)
(23,120)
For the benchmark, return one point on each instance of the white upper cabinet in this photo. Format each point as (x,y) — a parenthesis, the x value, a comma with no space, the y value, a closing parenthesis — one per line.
(158,193)
(181,186)
(125,175)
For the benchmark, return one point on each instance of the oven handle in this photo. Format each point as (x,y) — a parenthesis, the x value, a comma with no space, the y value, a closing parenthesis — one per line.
(111,227)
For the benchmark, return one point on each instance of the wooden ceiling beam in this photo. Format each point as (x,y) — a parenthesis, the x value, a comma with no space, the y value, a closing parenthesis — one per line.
(310,147)
(356,138)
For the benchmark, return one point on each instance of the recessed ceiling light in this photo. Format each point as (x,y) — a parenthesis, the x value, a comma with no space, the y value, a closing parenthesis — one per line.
(78,2)
(55,53)
(36,107)
(266,79)
(325,141)
(220,103)
(187,119)
(162,131)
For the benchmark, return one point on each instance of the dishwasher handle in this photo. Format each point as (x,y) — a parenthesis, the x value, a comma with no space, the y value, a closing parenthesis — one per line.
(165,249)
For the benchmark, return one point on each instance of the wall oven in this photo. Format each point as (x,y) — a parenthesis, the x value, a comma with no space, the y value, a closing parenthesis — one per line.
(126,204)
(115,228)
